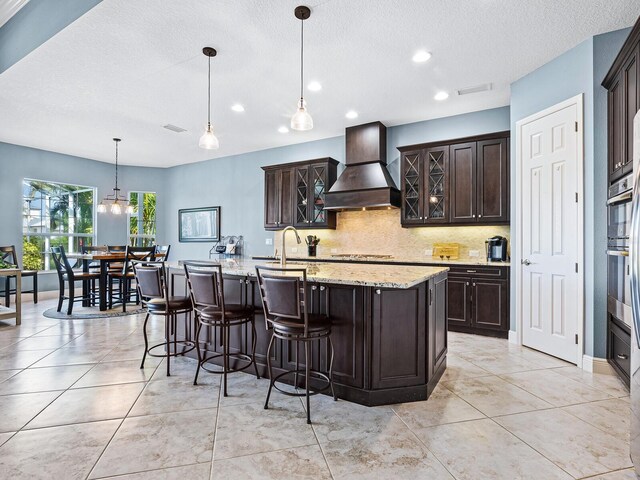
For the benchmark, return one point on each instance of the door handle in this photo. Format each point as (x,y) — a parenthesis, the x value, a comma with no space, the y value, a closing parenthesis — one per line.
(526,262)
(622,356)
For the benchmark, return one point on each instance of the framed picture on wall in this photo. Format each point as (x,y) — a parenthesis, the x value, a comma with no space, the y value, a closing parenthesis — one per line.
(199,224)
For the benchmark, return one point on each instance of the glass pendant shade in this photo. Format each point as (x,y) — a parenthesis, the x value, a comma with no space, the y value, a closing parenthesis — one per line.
(301,120)
(209,140)
(102,208)
(129,209)
(116,208)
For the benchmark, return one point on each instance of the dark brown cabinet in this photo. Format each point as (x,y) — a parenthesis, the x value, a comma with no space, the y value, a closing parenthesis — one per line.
(464,182)
(478,300)
(437,335)
(623,85)
(619,348)
(294,194)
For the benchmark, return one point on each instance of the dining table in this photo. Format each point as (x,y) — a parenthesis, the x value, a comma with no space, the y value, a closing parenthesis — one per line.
(104,259)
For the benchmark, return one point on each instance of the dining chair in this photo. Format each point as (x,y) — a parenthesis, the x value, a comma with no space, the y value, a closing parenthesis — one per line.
(8,255)
(125,277)
(66,274)
(162,252)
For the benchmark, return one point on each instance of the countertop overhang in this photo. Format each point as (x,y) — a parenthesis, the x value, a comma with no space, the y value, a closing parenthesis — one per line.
(368,275)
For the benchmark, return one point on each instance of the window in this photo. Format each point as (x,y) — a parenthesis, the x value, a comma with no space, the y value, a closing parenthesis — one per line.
(142,222)
(55,214)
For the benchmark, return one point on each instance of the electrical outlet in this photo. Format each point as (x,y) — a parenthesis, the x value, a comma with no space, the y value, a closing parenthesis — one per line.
(474,253)
(428,252)
(294,250)
(268,241)
(334,250)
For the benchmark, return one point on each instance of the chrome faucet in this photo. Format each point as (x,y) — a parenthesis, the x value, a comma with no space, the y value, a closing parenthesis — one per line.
(283,255)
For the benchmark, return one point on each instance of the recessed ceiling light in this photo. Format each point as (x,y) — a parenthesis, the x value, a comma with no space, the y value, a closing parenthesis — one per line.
(441,96)
(237,108)
(314,86)
(283,129)
(421,56)
(351,114)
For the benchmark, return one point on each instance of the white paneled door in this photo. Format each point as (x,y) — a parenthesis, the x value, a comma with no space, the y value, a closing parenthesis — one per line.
(550,256)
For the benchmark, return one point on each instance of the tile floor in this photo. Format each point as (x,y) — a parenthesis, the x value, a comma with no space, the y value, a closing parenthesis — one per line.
(75,404)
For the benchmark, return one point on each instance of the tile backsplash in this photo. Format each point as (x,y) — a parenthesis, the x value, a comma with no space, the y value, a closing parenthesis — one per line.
(379,232)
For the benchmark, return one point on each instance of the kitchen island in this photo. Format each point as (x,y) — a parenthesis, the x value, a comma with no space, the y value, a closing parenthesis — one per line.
(389,326)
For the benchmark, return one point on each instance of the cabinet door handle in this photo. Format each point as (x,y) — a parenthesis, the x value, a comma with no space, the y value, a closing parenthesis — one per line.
(314,288)
(471,271)
(322,288)
(622,356)
(378,292)
(474,215)
(467,284)
(479,216)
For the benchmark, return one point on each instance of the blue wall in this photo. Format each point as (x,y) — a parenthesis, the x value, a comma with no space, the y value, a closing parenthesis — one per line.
(17,163)
(35,23)
(578,71)
(236,183)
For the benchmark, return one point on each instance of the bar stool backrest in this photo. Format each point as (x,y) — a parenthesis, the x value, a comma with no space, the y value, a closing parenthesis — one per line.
(63,267)
(162,252)
(133,254)
(284,295)
(8,255)
(151,280)
(206,286)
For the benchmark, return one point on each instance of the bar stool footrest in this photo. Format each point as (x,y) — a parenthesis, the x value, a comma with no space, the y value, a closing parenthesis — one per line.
(314,374)
(189,345)
(233,356)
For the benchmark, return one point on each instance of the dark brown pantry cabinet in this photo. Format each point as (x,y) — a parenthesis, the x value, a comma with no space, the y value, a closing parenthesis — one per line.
(457,182)
(294,194)
(623,85)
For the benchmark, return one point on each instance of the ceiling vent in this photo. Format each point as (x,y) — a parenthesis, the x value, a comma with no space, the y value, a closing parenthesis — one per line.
(485,87)
(173,128)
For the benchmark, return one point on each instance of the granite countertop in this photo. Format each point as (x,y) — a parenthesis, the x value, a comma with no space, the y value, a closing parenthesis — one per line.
(383,276)
(412,260)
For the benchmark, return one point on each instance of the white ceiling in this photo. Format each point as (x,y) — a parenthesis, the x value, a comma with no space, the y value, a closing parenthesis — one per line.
(8,8)
(127,68)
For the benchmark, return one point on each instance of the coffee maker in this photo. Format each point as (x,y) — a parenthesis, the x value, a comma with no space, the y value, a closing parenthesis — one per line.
(496,248)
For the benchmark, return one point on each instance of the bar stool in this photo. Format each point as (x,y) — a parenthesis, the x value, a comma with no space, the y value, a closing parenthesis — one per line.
(152,284)
(284,299)
(206,288)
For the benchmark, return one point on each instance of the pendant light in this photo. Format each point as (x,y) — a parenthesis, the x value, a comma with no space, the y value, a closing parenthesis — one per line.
(301,120)
(208,140)
(116,200)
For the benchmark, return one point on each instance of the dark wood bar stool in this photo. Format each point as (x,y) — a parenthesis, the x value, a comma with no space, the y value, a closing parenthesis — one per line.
(151,279)
(124,277)
(284,299)
(8,255)
(66,274)
(206,288)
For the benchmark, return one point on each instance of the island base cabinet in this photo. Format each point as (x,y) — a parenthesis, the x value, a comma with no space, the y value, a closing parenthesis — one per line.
(390,344)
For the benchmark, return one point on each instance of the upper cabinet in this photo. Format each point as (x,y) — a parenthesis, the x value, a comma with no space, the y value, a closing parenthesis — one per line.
(623,86)
(463,181)
(294,194)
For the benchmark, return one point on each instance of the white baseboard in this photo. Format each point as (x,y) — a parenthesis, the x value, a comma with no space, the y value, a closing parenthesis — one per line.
(513,337)
(596,365)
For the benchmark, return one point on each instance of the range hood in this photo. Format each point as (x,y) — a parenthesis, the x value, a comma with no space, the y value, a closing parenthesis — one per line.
(365,182)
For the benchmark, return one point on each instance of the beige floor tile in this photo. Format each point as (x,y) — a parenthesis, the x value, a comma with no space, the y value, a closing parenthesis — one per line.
(458,367)
(554,388)
(627,474)
(18,410)
(4,374)
(11,360)
(66,452)
(89,405)
(611,416)
(43,342)
(300,463)
(4,437)
(117,372)
(175,394)
(394,453)
(481,449)
(71,356)
(198,471)
(43,379)
(577,447)
(158,441)
(500,362)
(443,406)
(248,428)
(495,396)
(245,388)
(610,384)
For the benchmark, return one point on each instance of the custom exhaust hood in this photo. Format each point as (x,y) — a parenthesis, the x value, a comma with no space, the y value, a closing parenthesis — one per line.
(365,183)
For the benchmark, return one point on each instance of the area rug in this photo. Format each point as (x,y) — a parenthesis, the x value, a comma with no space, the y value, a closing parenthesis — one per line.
(80,312)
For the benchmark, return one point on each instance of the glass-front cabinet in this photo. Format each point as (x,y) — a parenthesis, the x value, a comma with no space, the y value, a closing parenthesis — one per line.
(437,182)
(412,188)
(310,182)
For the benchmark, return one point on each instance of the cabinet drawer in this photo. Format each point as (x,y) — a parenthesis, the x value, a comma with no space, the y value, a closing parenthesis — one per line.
(484,272)
(620,349)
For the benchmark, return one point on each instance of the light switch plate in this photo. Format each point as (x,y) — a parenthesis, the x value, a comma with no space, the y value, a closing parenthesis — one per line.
(428,252)
(268,241)
(474,253)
